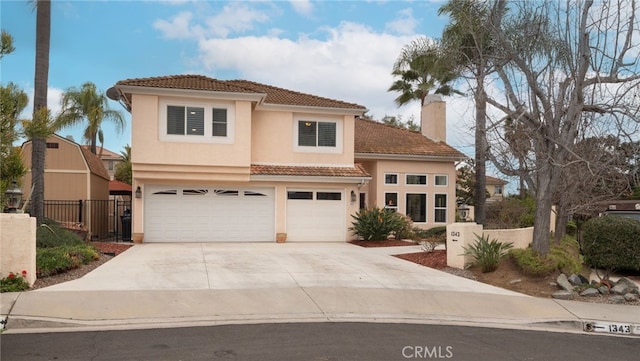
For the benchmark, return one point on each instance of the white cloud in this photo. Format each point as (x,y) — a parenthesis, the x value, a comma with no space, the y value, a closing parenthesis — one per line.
(404,24)
(349,62)
(177,28)
(302,7)
(235,17)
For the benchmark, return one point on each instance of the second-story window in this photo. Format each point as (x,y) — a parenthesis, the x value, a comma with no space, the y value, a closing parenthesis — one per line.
(316,134)
(198,122)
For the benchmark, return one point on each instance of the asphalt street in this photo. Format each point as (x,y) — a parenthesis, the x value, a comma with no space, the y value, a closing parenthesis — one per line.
(318,342)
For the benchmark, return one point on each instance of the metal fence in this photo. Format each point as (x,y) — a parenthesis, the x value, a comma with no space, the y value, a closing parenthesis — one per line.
(101,218)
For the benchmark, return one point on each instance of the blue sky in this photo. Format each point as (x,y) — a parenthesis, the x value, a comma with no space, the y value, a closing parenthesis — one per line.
(339,49)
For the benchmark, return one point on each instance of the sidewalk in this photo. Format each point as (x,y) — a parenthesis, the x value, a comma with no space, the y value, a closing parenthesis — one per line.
(61,311)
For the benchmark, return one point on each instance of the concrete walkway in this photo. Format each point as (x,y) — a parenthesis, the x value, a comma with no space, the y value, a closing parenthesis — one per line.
(172,285)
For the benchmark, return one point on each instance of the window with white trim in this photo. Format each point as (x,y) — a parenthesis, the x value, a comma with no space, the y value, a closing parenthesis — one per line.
(416,179)
(440,208)
(441,180)
(317,135)
(391,178)
(416,207)
(192,121)
(391,201)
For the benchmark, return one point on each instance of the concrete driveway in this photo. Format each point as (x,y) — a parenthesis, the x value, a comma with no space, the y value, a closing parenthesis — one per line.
(229,266)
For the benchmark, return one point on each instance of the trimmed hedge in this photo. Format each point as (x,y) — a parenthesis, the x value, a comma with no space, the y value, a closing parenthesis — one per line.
(51,234)
(612,243)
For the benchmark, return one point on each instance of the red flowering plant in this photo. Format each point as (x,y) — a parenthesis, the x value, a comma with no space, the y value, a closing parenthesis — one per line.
(14,282)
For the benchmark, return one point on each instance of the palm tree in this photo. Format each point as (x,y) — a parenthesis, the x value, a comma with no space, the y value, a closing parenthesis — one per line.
(90,104)
(41,83)
(123,169)
(421,70)
(467,40)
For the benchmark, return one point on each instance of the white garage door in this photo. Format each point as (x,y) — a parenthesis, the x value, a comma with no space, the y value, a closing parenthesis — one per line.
(315,215)
(208,214)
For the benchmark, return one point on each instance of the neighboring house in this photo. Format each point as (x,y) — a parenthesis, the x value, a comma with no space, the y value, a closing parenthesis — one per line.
(109,158)
(72,173)
(495,188)
(242,161)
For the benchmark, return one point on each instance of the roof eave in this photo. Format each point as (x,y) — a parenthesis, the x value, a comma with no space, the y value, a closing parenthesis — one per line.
(310,109)
(191,93)
(314,179)
(420,157)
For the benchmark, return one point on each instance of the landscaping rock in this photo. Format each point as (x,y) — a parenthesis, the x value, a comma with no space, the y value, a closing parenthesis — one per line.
(584,279)
(575,280)
(563,282)
(562,295)
(633,287)
(620,289)
(590,292)
(603,290)
(616,299)
(513,282)
(630,297)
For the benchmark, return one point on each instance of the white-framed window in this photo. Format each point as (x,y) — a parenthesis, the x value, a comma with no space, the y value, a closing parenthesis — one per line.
(440,208)
(416,207)
(391,178)
(317,135)
(498,190)
(391,201)
(197,122)
(441,180)
(416,179)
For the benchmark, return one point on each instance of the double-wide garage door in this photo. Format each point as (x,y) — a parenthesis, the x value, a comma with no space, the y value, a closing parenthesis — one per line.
(208,214)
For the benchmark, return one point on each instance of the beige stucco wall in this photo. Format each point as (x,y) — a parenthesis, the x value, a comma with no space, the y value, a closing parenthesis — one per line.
(273,140)
(148,149)
(377,187)
(18,245)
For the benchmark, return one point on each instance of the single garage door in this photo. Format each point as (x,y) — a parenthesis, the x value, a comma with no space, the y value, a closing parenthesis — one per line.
(316,215)
(208,214)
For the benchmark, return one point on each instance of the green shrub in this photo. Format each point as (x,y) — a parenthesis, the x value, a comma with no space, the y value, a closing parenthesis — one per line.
(14,282)
(406,230)
(612,243)
(531,263)
(437,232)
(564,257)
(52,234)
(376,224)
(53,260)
(487,254)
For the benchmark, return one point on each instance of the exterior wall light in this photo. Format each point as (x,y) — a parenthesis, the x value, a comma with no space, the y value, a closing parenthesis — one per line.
(353,197)
(14,197)
(138,192)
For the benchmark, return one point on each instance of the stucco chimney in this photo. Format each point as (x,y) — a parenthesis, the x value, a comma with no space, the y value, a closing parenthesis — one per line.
(433,117)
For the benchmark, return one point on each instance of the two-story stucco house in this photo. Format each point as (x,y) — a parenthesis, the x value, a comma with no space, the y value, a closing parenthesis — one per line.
(235,160)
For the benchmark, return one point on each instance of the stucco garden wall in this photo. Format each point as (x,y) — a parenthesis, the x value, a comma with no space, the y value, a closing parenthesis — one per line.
(18,245)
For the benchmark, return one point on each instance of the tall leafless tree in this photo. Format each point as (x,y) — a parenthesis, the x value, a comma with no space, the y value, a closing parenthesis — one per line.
(571,71)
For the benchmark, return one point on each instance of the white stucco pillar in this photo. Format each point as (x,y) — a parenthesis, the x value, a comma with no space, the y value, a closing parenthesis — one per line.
(460,235)
(18,245)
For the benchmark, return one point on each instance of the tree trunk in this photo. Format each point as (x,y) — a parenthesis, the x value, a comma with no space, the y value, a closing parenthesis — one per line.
(481,150)
(541,227)
(562,220)
(41,83)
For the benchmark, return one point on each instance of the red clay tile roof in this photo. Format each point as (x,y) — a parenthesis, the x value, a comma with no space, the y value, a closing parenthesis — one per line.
(95,164)
(495,181)
(282,96)
(377,138)
(357,171)
(119,187)
(274,95)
